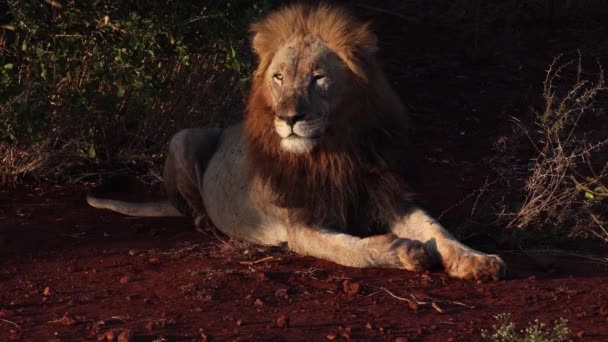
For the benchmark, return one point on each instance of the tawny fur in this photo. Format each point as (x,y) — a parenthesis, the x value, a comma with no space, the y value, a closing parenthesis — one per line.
(356,180)
(344,198)
(351,39)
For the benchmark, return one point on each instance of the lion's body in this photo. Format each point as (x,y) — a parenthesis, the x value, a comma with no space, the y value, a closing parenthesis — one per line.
(245,210)
(319,162)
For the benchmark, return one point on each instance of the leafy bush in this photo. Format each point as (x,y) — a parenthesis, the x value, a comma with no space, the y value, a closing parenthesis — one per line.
(73,72)
(535,332)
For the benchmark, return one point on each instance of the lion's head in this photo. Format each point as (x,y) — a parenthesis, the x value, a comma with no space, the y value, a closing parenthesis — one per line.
(304,87)
(323,126)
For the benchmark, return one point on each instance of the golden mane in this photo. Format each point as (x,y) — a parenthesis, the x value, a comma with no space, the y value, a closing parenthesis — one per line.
(348,38)
(355,179)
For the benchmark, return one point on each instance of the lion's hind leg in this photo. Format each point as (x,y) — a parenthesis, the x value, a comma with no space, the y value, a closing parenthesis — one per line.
(386,250)
(189,153)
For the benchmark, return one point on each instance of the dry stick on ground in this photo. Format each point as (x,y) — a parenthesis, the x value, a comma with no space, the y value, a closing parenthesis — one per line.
(10,322)
(429,301)
(123,319)
(251,263)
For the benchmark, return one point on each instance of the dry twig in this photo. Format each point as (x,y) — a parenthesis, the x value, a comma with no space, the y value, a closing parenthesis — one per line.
(426,301)
(10,322)
(565,158)
(251,263)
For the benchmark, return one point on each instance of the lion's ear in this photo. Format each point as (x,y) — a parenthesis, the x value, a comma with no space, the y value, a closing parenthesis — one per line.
(256,43)
(368,41)
(260,43)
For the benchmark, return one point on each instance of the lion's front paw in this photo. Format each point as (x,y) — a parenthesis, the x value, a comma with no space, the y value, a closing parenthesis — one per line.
(474,266)
(414,255)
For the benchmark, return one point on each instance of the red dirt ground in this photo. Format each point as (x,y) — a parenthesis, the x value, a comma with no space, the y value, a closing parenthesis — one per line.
(69,272)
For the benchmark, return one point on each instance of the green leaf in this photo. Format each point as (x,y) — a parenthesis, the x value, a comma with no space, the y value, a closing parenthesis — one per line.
(589,195)
(92,152)
(236,66)
(8,66)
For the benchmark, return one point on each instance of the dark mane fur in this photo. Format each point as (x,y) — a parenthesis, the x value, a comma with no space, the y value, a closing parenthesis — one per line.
(355,179)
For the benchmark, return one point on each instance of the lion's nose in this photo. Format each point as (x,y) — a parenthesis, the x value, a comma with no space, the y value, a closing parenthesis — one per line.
(291,119)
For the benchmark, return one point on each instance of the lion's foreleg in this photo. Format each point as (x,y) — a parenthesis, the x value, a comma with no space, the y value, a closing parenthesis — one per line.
(459,260)
(376,251)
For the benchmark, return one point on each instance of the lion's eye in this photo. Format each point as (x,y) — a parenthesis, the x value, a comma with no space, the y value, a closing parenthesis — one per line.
(318,77)
(278,77)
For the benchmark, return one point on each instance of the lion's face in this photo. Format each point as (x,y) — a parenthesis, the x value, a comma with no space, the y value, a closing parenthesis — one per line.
(305,81)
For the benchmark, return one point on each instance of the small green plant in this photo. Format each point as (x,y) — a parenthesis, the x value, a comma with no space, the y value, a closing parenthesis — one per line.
(536,331)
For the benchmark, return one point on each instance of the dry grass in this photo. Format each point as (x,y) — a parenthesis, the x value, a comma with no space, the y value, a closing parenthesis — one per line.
(567,185)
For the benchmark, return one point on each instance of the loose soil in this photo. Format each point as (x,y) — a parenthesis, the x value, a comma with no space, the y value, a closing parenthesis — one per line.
(69,272)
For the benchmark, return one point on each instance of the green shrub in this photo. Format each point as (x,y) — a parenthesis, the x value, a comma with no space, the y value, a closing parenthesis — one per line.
(535,332)
(70,70)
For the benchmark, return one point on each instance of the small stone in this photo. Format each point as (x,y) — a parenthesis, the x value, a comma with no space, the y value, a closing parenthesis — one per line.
(111,335)
(150,326)
(66,320)
(283,322)
(350,287)
(125,336)
(413,305)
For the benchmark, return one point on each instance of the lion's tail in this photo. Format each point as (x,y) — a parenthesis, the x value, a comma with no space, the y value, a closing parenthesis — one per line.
(145,209)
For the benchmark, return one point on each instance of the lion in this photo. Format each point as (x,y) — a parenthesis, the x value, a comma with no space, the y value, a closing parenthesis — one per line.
(320,162)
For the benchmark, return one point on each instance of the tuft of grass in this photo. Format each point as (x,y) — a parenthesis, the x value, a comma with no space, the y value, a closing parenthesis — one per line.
(506,331)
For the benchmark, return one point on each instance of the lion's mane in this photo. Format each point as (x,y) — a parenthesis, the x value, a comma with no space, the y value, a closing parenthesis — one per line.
(355,180)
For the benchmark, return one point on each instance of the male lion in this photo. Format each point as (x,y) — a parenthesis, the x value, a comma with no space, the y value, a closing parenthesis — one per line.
(319,161)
